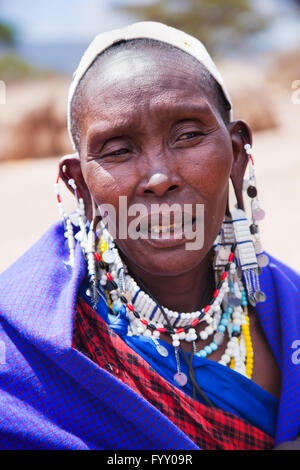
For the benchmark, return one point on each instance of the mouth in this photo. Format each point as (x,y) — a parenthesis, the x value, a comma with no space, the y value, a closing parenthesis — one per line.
(177,228)
(167,231)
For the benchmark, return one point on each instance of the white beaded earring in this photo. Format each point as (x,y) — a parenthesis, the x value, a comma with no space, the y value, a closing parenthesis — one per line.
(68,227)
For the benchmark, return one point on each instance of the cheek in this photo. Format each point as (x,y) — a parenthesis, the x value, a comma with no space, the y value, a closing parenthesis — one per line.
(106,185)
(208,168)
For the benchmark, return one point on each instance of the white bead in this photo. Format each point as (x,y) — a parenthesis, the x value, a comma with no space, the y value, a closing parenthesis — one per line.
(176,343)
(225,358)
(209,330)
(203,335)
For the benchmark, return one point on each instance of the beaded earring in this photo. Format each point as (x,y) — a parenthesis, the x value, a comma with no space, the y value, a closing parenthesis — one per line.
(68,227)
(250,187)
(85,236)
(235,228)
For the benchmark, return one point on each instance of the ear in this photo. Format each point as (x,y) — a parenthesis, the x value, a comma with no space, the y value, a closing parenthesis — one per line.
(70,167)
(240,132)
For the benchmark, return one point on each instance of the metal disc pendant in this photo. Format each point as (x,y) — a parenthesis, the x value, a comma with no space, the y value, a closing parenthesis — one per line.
(252,300)
(162,350)
(263,260)
(258,214)
(234,301)
(108,256)
(181,379)
(260,296)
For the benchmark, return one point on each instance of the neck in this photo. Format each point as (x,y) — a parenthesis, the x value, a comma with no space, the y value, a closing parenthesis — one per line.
(186,292)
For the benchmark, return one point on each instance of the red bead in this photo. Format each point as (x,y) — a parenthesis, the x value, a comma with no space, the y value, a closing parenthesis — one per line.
(162,330)
(224,275)
(216,293)
(97,256)
(109,277)
(195,322)
(206,309)
(231,256)
(144,321)
(130,307)
(179,330)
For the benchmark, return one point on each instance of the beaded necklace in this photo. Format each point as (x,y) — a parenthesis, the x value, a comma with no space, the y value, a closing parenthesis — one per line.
(226,311)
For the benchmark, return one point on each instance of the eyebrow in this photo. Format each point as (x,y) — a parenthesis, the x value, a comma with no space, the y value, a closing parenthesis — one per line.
(110,129)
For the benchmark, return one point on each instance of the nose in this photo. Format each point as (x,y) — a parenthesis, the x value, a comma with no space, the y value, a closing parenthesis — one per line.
(159,183)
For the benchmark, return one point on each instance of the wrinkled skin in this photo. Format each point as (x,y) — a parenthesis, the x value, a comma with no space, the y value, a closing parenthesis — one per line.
(152,131)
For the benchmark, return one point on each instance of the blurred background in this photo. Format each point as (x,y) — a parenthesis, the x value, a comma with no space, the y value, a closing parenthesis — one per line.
(256,45)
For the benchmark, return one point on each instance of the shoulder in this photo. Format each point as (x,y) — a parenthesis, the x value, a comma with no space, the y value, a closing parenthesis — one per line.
(36,286)
(282,275)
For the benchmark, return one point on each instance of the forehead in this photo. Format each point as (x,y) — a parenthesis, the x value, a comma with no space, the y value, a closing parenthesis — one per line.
(145,68)
(130,81)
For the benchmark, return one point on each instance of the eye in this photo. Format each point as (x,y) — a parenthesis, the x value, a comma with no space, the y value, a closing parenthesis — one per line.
(116,153)
(188,135)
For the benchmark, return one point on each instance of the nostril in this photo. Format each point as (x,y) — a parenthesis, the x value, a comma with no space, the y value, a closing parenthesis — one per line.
(172,187)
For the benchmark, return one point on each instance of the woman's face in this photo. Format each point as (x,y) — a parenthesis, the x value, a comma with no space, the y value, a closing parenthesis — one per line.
(151,131)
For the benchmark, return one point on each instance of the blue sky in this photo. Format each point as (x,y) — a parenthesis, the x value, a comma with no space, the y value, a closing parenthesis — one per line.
(45,21)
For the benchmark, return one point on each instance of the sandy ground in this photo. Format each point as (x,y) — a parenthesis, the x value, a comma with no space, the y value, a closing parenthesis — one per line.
(28,204)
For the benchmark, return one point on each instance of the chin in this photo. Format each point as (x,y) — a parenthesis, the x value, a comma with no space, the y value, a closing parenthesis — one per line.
(167,261)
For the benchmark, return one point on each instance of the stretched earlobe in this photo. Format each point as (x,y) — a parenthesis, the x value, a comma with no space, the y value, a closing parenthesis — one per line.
(70,167)
(240,131)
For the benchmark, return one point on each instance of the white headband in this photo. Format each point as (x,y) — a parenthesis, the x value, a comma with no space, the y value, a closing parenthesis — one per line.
(143,29)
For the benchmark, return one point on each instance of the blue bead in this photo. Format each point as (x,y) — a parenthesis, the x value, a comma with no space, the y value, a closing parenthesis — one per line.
(208,349)
(122,311)
(116,308)
(201,353)
(213,346)
(229,310)
(236,328)
(221,328)
(244,303)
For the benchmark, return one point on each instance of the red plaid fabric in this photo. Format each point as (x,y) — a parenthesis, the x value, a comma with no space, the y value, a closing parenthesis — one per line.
(209,429)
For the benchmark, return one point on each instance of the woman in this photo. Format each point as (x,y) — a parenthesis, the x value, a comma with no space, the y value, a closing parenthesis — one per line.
(99,352)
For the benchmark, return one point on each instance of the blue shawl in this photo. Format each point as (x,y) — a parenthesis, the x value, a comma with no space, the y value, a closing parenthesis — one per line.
(54,397)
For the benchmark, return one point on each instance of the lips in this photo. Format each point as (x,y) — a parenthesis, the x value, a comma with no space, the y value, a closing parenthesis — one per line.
(159,223)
